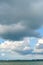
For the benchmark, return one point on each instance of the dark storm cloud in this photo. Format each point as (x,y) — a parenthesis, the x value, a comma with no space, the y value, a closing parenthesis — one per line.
(20,18)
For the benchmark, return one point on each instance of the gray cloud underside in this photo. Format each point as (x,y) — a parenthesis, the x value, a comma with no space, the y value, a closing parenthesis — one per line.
(20,18)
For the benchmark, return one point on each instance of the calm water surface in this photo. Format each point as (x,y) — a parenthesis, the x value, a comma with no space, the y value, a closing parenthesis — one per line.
(22,63)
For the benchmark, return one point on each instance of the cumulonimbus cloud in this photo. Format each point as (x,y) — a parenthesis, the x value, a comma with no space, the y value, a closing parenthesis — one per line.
(25,15)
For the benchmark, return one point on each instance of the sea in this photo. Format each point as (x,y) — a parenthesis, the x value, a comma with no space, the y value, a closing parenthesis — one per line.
(22,63)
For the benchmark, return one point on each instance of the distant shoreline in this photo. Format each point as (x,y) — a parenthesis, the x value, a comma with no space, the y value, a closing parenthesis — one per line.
(20,60)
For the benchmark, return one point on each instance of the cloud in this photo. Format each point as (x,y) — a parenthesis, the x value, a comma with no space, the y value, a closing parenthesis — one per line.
(39,47)
(16,32)
(21,47)
(20,10)
(20,18)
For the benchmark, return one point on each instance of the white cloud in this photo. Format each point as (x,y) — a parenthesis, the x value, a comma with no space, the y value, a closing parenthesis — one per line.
(39,46)
(11,28)
(22,47)
(40,41)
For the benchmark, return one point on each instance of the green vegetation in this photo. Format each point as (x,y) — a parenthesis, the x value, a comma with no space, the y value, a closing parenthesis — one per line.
(21,60)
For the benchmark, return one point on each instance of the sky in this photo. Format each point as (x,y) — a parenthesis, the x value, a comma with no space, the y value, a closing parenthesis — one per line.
(21,29)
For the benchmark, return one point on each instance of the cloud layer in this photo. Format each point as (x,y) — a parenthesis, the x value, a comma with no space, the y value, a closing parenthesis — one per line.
(21,47)
(20,18)
(39,47)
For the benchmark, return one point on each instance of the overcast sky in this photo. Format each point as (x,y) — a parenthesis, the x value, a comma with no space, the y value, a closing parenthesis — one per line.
(21,29)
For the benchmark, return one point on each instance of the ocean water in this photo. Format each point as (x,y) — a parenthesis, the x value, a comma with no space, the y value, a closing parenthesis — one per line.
(22,63)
